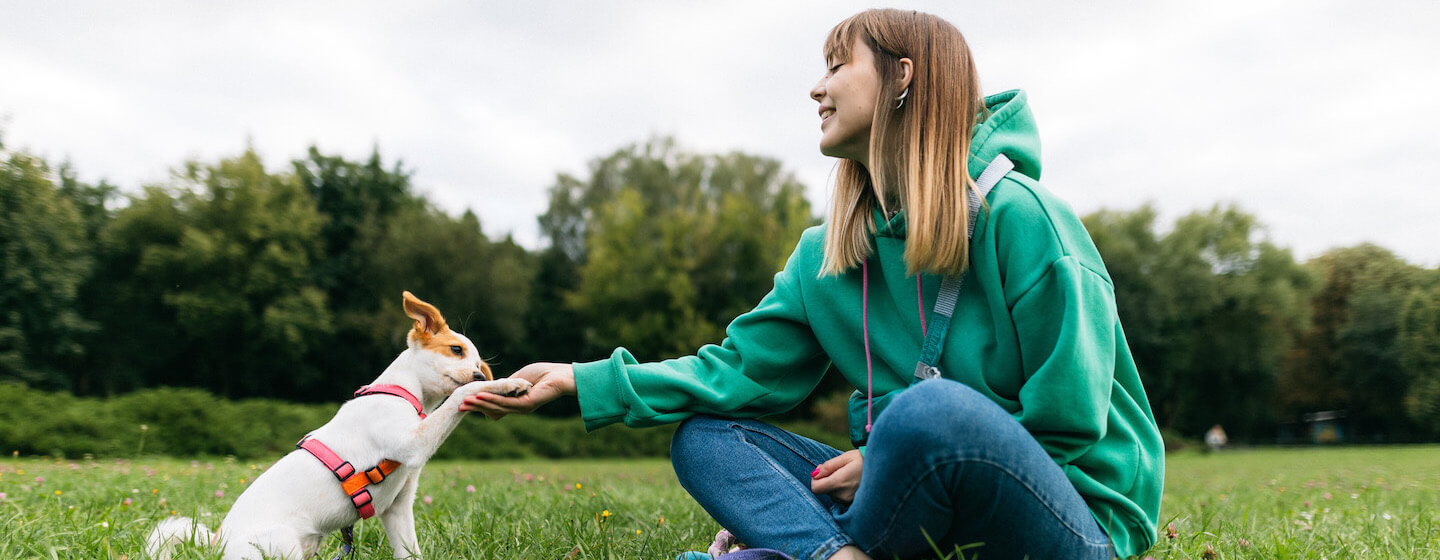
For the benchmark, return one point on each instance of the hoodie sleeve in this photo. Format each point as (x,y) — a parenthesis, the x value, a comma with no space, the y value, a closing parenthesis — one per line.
(1066,324)
(768,363)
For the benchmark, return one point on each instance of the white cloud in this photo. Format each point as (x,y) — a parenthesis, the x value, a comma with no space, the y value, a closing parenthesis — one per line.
(1316,116)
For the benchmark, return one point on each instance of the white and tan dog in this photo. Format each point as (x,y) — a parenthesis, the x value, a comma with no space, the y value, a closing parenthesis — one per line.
(290,509)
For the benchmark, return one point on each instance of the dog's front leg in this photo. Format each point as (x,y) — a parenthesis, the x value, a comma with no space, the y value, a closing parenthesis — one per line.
(399,520)
(432,431)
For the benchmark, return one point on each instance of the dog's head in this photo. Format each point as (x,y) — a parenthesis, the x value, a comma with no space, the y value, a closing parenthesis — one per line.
(446,358)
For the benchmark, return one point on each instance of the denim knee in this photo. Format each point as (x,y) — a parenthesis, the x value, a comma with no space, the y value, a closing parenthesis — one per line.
(940,413)
(696,434)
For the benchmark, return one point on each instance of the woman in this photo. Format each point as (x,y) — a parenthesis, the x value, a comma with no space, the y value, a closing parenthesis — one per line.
(1035,439)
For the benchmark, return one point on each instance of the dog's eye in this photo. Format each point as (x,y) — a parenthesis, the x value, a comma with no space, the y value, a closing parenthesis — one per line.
(457,350)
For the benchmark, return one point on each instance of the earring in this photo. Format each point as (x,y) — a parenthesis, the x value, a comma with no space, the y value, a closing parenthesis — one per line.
(900,101)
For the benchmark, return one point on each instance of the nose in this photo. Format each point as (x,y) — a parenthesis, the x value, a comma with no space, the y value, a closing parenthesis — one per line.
(818,92)
(480,376)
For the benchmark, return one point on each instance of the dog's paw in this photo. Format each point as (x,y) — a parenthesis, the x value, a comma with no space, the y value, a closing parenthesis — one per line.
(509,387)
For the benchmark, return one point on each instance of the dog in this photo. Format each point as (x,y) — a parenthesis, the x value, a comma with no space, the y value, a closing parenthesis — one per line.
(367,459)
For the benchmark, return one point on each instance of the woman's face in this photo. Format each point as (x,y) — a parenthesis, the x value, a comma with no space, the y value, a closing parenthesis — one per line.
(847,104)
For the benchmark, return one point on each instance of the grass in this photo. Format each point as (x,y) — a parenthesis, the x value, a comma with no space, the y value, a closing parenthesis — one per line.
(1352,502)
(1268,503)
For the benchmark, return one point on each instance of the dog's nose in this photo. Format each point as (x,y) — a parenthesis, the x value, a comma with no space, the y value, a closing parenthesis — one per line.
(480,376)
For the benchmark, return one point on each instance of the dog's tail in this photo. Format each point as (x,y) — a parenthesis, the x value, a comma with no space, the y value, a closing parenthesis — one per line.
(176,530)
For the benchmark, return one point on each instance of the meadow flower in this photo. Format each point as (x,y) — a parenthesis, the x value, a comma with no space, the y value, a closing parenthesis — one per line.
(57,492)
(219,493)
(470,488)
(577,485)
(606,513)
(428,500)
(39,480)
(127,502)
(105,524)
(2,496)
(1209,552)
(1170,532)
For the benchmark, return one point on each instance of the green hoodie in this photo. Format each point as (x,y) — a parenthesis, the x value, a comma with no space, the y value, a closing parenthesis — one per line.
(1035,330)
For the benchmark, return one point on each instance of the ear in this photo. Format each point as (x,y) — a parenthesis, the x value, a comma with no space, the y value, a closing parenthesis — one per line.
(907,71)
(427,319)
(485,369)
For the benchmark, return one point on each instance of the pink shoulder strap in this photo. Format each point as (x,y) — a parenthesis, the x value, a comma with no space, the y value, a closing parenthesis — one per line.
(394,390)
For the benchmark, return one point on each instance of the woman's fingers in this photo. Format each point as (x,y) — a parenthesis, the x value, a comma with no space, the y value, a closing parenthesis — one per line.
(839,477)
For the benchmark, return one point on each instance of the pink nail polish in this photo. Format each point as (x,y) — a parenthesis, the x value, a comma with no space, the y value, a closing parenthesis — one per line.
(814,472)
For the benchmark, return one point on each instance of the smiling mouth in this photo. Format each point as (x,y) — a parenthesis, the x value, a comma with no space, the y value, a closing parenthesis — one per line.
(826,114)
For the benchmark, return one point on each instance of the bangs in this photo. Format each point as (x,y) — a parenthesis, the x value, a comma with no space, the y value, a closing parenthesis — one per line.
(842,37)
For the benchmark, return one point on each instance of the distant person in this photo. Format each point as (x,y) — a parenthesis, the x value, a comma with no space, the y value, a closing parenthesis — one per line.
(1215,438)
(1032,426)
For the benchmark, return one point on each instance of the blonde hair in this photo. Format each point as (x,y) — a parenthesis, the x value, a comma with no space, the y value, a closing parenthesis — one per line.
(920,150)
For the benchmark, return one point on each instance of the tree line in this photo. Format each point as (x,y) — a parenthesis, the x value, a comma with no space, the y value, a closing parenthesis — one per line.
(284,283)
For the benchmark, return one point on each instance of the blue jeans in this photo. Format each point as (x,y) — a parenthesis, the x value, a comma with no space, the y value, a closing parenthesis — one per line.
(944,464)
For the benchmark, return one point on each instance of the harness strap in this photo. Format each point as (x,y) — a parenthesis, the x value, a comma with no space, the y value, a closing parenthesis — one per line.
(393,390)
(950,286)
(353,481)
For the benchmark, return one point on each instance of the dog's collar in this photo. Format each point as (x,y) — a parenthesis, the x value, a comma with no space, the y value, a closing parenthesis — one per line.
(394,390)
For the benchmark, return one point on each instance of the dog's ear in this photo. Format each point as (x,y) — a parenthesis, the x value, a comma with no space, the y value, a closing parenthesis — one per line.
(485,368)
(427,319)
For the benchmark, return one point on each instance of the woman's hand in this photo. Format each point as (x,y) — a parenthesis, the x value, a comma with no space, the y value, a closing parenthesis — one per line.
(548,382)
(839,477)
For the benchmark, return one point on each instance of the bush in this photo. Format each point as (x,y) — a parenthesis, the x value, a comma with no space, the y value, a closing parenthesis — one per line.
(191,422)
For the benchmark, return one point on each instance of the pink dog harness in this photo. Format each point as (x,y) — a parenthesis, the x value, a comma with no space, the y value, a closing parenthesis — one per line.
(353,482)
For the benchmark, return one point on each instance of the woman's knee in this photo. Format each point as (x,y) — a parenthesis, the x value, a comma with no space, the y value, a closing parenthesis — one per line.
(697,434)
(938,411)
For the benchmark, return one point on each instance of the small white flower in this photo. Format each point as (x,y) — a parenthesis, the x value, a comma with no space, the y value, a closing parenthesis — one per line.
(105,524)
(1386,516)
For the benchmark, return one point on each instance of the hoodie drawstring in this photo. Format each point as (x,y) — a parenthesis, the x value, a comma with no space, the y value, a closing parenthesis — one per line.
(865,322)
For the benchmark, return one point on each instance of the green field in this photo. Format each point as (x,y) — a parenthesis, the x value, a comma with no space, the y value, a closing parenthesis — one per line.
(1271,503)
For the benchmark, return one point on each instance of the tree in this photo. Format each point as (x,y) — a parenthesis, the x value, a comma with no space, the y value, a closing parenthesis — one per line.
(359,201)
(1209,311)
(1348,359)
(1419,349)
(668,246)
(217,271)
(482,287)
(44,259)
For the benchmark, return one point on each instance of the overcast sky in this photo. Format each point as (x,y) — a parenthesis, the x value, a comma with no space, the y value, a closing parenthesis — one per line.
(1319,117)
